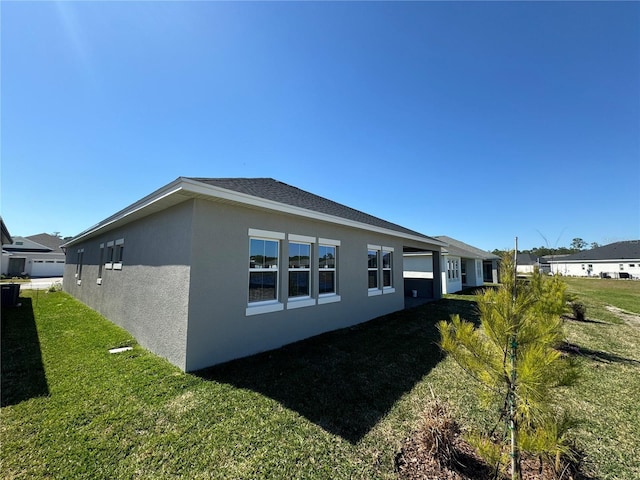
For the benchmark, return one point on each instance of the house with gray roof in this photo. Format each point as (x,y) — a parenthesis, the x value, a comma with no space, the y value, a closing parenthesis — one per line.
(36,256)
(615,260)
(205,270)
(463,266)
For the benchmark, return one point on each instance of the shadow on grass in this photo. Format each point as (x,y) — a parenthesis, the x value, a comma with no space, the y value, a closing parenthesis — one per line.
(586,320)
(477,290)
(345,381)
(23,374)
(596,355)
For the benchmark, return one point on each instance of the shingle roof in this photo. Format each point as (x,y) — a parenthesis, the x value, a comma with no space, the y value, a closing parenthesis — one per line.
(629,249)
(274,190)
(50,241)
(462,249)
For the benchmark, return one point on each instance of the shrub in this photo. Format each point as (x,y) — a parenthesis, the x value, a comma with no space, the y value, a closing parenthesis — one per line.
(579,310)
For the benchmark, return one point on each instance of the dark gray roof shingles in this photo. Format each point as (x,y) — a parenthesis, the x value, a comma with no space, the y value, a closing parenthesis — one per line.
(274,190)
(629,249)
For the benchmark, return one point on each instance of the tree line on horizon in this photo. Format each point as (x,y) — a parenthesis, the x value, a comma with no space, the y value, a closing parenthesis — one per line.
(577,245)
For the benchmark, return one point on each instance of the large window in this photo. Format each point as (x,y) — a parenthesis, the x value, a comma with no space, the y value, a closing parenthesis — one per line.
(299,269)
(263,270)
(306,266)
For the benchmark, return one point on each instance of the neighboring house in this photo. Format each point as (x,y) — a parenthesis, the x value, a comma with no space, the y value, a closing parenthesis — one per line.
(616,260)
(36,256)
(206,270)
(6,236)
(463,266)
(525,263)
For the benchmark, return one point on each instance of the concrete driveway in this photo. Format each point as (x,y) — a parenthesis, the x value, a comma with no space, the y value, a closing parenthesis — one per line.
(40,283)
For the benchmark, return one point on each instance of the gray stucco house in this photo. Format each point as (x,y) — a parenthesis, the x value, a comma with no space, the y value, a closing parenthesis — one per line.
(206,270)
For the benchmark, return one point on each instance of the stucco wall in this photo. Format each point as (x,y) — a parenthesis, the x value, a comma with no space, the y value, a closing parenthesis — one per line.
(149,296)
(219,328)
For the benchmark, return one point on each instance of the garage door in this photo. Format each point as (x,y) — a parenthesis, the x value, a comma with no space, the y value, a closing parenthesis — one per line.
(47,268)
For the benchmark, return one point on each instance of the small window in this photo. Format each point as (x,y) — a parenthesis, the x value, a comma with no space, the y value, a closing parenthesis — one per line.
(79,261)
(109,259)
(632,265)
(118,254)
(101,263)
(622,266)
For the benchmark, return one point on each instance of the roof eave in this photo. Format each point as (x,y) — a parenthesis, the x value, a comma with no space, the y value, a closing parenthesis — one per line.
(192,188)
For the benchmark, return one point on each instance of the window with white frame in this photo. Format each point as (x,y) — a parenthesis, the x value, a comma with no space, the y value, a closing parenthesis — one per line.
(328,270)
(453,269)
(299,269)
(372,266)
(264,272)
(263,269)
(387,268)
(380,269)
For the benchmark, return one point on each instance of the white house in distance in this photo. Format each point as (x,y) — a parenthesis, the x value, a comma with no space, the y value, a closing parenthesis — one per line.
(462,266)
(616,260)
(36,256)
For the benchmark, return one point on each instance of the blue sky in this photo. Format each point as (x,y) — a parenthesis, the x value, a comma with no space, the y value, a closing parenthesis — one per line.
(480,121)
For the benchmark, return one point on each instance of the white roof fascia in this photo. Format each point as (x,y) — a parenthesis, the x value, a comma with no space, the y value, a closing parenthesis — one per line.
(187,185)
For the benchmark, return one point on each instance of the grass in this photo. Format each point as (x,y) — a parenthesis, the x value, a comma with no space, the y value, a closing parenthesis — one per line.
(335,406)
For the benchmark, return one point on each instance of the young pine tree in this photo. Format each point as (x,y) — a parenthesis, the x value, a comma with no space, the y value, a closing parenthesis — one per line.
(514,358)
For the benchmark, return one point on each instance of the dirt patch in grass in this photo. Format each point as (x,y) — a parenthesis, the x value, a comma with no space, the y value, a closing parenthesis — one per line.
(630,318)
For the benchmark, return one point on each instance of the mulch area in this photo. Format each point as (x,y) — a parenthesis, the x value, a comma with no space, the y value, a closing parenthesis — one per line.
(438,451)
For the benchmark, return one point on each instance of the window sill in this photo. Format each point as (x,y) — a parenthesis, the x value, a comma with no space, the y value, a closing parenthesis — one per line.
(117,266)
(386,290)
(329,298)
(108,266)
(375,292)
(304,302)
(264,308)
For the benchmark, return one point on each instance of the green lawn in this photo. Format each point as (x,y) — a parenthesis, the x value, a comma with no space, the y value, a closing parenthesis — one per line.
(336,406)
